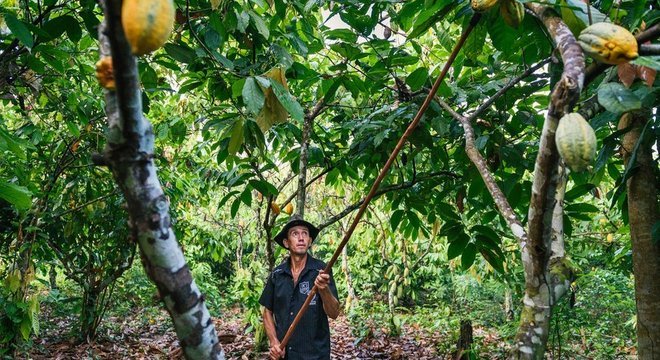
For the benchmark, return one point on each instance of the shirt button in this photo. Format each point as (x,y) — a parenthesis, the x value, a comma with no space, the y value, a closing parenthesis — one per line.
(291,313)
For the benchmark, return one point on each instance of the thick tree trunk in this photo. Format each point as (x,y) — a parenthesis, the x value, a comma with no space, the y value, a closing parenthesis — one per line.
(129,155)
(643,214)
(465,339)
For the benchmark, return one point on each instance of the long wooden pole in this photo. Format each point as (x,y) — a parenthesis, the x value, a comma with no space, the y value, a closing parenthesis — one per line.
(383,172)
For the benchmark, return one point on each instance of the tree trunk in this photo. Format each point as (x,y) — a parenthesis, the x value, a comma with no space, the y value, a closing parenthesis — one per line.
(302,177)
(129,154)
(351,298)
(465,339)
(89,314)
(547,278)
(643,214)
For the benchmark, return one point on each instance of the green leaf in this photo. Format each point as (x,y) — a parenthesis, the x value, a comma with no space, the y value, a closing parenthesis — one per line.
(571,20)
(493,259)
(457,247)
(652,62)
(581,208)
(446,211)
(26,328)
(417,78)
(252,95)
(180,53)
(396,218)
(469,254)
(341,34)
(235,206)
(290,104)
(9,142)
(236,139)
(487,232)
(264,187)
(19,29)
(259,23)
(581,11)
(16,195)
(578,191)
(617,99)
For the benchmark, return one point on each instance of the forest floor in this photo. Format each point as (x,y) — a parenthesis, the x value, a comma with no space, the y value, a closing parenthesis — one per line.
(150,336)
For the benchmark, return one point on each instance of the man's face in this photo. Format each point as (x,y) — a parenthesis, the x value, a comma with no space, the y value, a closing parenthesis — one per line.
(298,240)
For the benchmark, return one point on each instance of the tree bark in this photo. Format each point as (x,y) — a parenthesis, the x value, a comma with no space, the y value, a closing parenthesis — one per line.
(129,155)
(547,277)
(643,214)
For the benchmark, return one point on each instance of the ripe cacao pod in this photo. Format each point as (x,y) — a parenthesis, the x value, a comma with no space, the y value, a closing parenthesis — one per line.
(608,43)
(512,12)
(576,141)
(275,208)
(482,5)
(288,209)
(147,23)
(104,73)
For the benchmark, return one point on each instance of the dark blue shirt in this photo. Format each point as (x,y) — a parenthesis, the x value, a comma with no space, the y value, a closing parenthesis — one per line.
(311,338)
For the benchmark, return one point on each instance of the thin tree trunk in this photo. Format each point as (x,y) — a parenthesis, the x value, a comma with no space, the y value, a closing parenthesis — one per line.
(351,298)
(129,155)
(643,214)
(547,278)
(302,177)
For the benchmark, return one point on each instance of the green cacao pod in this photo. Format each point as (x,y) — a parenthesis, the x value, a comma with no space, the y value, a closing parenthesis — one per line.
(147,23)
(482,5)
(608,43)
(576,141)
(512,12)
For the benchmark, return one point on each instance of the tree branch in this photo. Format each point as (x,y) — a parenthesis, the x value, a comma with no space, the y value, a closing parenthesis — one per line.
(480,163)
(405,185)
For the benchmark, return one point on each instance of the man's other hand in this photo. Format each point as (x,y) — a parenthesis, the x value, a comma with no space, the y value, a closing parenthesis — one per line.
(275,352)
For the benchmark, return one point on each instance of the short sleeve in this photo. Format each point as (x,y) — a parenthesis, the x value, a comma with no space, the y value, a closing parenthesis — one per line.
(267,294)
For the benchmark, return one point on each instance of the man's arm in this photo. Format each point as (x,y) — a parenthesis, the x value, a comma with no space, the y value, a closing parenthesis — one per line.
(274,342)
(330,302)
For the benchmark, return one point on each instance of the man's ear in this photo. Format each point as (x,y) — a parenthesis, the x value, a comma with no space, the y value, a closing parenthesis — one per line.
(284,242)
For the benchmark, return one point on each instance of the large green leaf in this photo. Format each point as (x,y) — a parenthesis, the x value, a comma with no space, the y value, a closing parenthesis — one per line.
(19,29)
(253,96)
(13,144)
(617,99)
(236,139)
(469,254)
(16,195)
(290,104)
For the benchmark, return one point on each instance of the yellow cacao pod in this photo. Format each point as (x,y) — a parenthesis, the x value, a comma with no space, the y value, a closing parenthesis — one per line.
(104,73)
(275,208)
(576,141)
(288,208)
(147,23)
(608,43)
(482,5)
(512,12)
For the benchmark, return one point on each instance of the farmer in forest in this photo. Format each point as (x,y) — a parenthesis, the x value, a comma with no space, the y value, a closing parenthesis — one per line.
(286,290)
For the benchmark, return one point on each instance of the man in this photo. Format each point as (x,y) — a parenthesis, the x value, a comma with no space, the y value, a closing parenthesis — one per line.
(286,290)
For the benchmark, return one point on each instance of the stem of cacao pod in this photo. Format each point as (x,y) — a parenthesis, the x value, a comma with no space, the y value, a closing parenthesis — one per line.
(473,22)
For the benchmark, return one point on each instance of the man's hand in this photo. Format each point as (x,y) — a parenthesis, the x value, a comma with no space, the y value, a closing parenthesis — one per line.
(275,352)
(330,303)
(322,281)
